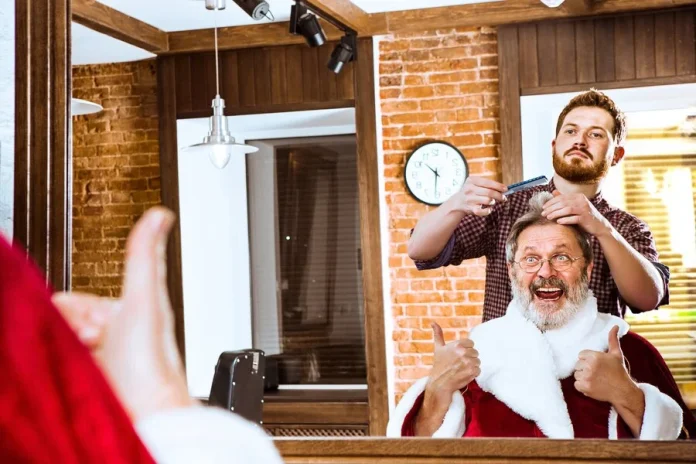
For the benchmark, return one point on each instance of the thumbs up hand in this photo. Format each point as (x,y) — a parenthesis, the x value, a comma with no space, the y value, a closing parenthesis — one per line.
(603,376)
(455,365)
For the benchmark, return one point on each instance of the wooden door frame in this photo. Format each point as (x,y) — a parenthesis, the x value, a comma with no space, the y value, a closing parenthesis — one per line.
(42,164)
(368,180)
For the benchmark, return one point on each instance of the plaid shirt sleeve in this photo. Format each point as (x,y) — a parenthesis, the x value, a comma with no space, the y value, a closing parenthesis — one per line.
(638,235)
(472,238)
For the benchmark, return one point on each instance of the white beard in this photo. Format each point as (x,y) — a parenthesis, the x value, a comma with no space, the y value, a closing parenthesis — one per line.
(576,298)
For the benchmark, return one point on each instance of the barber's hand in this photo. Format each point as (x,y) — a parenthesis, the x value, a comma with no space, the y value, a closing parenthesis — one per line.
(455,365)
(133,338)
(477,195)
(603,376)
(575,208)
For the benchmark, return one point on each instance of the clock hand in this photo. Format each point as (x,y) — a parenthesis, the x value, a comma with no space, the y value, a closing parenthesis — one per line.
(434,170)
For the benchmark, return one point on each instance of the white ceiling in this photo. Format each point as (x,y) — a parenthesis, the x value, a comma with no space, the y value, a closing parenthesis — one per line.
(90,47)
(176,15)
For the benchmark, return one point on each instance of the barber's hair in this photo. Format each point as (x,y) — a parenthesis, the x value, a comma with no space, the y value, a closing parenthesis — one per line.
(596,99)
(533,217)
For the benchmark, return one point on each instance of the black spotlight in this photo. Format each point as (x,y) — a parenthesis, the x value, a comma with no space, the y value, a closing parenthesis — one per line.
(257,9)
(307,25)
(342,53)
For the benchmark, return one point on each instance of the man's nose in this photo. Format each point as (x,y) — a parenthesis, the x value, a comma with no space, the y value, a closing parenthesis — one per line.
(546,270)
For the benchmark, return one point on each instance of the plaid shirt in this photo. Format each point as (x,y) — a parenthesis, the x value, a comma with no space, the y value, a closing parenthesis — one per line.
(485,236)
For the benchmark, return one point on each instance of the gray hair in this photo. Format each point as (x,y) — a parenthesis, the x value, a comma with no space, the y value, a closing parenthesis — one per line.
(533,217)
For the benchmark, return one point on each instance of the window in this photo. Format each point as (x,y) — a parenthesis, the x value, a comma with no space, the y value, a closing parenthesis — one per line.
(659,186)
(304,232)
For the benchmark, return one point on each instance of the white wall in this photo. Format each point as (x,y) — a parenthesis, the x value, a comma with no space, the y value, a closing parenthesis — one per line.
(214,235)
(540,112)
(7,106)
(215,259)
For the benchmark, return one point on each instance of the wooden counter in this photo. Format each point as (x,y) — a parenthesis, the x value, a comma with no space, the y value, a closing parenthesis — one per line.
(529,451)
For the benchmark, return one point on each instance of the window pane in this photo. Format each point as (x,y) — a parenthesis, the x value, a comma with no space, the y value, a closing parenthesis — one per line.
(315,331)
(659,187)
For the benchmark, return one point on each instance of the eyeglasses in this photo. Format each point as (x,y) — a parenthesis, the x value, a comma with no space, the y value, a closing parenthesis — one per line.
(559,262)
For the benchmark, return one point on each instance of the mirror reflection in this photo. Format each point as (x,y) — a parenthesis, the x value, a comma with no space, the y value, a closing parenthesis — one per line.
(375,267)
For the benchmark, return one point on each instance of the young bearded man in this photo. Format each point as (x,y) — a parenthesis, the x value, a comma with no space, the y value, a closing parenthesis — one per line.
(476,221)
(552,366)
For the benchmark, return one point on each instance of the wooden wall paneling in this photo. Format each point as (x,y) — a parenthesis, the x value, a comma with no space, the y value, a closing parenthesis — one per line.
(665,45)
(325,412)
(169,173)
(247,77)
(293,71)
(685,43)
(262,77)
(279,80)
(310,74)
(546,49)
(604,50)
(584,51)
(182,66)
(624,48)
(565,53)
(229,83)
(645,46)
(327,84)
(368,175)
(529,63)
(509,71)
(344,82)
(201,97)
(42,215)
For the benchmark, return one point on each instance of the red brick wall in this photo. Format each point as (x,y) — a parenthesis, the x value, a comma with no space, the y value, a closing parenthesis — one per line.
(115,168)
(439,85)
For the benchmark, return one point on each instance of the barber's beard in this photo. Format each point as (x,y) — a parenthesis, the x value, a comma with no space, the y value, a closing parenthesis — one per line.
(575,170)
(575,298)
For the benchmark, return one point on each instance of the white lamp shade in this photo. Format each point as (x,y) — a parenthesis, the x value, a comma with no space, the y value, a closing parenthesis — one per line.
(552,3)
(220,153)
(79,107)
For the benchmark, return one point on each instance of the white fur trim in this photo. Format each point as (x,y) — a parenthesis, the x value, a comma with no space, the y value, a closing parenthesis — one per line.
(662,419)
(613,424)
(508,345)
(453,425)
(517,367)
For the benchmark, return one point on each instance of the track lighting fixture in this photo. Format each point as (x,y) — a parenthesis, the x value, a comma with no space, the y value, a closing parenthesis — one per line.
(343,53)
(256,9)
(307,25)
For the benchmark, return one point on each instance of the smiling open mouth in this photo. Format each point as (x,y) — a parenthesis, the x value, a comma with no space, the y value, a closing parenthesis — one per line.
(548,293)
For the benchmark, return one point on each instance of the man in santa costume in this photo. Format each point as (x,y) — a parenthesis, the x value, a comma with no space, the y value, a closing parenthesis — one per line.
(552,366)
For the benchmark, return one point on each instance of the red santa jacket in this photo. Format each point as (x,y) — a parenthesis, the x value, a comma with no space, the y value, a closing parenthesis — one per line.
(526,387)
(55,405)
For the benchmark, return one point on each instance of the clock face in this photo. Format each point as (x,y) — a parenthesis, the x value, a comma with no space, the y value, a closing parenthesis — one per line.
(434,172)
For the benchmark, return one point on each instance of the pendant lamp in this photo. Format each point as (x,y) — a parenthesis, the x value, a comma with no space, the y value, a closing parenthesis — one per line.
(219,143)
(79,107)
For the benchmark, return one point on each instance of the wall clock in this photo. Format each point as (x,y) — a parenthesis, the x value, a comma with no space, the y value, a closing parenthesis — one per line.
(434,172)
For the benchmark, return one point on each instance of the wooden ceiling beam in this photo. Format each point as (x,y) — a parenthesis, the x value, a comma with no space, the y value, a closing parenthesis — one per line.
(509,12)
(104,19)
(578,7)
(111,22)
(230,38)
(342,11)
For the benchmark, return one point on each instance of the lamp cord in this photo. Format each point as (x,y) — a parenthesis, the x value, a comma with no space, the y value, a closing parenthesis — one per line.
(217,70)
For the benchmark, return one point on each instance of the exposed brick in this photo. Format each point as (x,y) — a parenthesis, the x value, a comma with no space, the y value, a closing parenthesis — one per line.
(115,169)
(441,85)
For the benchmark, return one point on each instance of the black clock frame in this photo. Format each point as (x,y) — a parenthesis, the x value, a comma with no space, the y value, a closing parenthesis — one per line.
(430,142)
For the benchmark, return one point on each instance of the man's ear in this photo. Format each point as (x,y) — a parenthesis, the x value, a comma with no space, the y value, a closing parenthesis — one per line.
(619,153)
(589,270)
